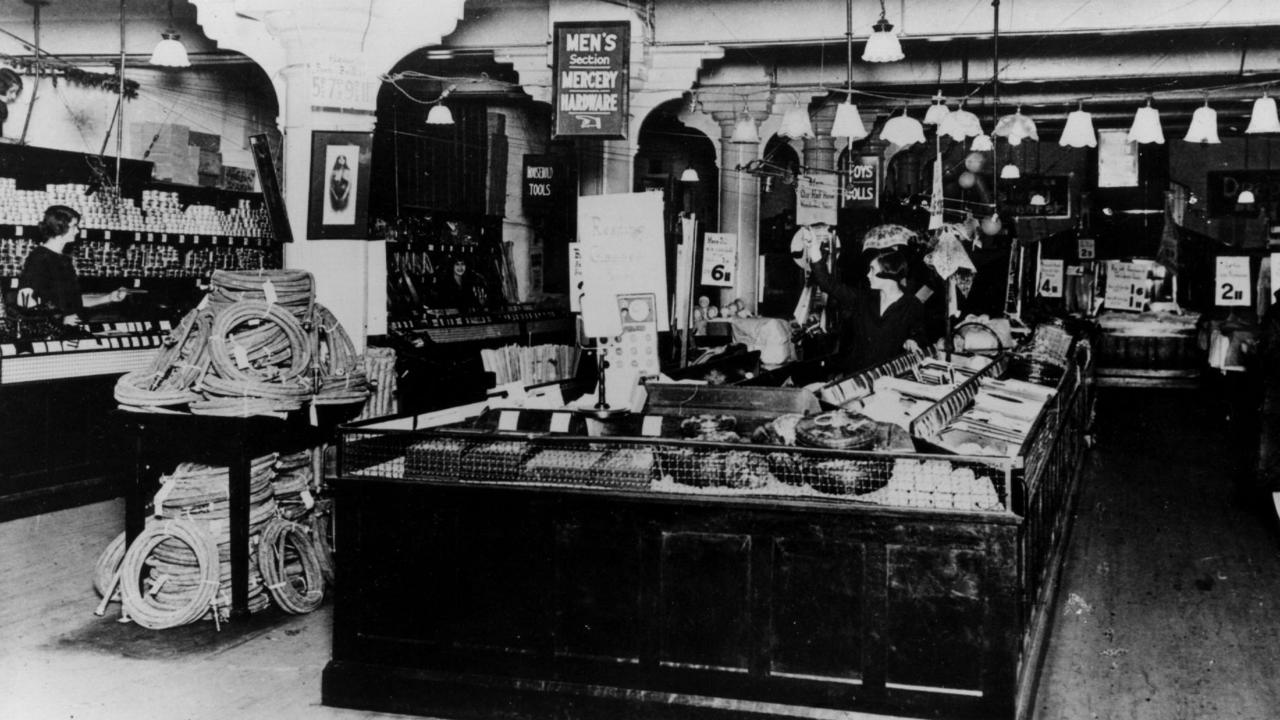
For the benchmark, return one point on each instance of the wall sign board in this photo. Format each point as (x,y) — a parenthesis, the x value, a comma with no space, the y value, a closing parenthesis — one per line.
(592,83)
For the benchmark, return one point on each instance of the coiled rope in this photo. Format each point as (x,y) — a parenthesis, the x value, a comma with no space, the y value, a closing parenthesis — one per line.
(290,566)
(196,596)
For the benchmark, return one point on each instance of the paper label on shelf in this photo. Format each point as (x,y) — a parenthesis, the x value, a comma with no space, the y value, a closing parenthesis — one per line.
(1049,282)
(40,347)
(17,230)
(651,426)
(13,283)
(508,419)
(106,234)
(137,282)
(560,422)
(8,349)
(1232,283)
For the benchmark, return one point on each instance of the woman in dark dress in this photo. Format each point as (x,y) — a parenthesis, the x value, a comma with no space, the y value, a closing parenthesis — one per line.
(879,322)
(48,276)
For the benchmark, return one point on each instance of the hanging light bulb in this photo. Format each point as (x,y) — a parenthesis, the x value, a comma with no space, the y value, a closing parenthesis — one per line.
(689,175)
(848,122)
(796,124)
(883,45)
(1204,125)
(1016,127)
(960,124)
(982,143)
(938,111)
(1263,119)
(1078,132)
(170,51)
(1010,172)
(1146,126)
(439,113)
(903,130)
(1246,197)
(1037,200)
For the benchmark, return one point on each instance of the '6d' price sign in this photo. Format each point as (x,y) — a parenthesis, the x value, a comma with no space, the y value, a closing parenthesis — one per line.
(719,259)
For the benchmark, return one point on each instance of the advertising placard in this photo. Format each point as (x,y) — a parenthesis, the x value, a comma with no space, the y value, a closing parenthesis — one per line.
(816,199)
(1049,282)
(1231,282)
(591,88)
(1127,285)
(719,259)
(862,182)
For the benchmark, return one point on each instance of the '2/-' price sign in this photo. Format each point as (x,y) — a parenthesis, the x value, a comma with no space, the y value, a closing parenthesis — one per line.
(1232,281)
(719,259)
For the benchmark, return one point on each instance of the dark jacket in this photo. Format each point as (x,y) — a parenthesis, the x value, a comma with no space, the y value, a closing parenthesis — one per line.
(868,338)
(52,276)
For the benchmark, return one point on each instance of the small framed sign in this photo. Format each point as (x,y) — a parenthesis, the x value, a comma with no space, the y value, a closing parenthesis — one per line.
(338,205)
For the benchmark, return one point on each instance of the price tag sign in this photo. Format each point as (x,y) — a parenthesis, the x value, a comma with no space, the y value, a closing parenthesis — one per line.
(1232,282)
(719,259)
(1049,280)
(560,422)
(1075,270)
(1127,285)
(1086,249)
(651,426)
(508,419)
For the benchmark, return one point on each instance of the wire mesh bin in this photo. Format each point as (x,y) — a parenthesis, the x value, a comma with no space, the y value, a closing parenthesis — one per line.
(675,466)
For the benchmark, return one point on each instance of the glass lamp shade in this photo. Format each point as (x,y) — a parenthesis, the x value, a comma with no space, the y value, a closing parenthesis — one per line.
(883,45)
(1263,119)
(1037,200)
(796,124)
(170,51)
(960,124)
(1146,126)
(848,122)
(689,175)
(982,143)
(1016,127)
(903,130)
(936,114)
(1078,132)
(744,131)
(439,115)
(1246,198)
(1010,172)
(1204,126)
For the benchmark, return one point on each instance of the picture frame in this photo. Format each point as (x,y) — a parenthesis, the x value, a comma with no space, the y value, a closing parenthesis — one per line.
(338,200)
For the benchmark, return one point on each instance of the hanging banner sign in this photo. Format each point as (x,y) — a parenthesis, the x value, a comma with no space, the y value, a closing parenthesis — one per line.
(816,200)
(1231,282)
(1086,248)
(1049,280)
(862,182)
(719,259)
(1127,285)
(591,79)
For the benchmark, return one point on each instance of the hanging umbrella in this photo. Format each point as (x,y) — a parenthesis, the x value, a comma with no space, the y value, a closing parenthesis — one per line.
(883,237)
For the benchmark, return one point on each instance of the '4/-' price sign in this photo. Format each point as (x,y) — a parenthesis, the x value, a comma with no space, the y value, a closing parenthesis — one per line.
(719,259)
(1232,281)
(1049,282)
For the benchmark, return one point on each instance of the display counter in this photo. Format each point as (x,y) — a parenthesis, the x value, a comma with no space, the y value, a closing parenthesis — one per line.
(1150,349)
(527,564)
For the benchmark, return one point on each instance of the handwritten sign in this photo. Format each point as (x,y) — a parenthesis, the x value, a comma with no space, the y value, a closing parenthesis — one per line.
(575,277)
(1231,282)
(592,79)
(816,200)
(342,82)
(719,259)
(1127,285)
(1049,279)
(623,252)
(1086,248)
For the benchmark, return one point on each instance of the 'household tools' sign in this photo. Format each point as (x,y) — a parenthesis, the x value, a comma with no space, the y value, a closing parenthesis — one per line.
(591,79)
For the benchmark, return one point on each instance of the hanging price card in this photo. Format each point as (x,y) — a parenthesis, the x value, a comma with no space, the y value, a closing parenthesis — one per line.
(719,259)
(508,419)
(1231,282)
(1127,285)
(1086,248)
(1049,280)
(560,422)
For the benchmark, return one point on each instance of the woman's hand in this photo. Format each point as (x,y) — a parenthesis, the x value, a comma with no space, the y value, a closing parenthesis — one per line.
(911,346)
(71,319)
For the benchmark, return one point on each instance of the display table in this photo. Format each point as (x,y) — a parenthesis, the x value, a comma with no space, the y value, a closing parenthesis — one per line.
(159,441)
(483,579)
(1148,350)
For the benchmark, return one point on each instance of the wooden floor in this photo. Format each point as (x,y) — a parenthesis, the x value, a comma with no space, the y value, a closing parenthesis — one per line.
(1168,607)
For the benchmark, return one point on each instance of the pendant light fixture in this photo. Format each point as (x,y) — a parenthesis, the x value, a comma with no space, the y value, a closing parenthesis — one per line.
(1245,197)
(1010,172)
(1146,126)
(848,123)
(170,51)
(796,124)
(1016,128)
(982,143)
(689,175)
(1263,119)
(960,124)
(903,130)
(744,131)
(938,111)
(883,45)
(440,113)
(1204,126)
(1078,132)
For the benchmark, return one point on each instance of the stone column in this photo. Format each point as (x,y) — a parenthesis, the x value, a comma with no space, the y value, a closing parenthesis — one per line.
(740,210)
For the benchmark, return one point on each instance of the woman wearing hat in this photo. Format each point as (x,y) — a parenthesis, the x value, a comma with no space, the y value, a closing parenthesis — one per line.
(879,322)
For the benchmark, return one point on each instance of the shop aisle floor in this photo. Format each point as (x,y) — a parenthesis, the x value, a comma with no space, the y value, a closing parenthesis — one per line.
(1170,599)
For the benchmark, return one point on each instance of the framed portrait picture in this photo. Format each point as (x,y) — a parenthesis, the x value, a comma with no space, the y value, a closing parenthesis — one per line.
(338,204)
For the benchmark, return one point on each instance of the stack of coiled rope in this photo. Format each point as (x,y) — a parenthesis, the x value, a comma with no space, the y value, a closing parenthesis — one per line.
(258,344)
(294,484)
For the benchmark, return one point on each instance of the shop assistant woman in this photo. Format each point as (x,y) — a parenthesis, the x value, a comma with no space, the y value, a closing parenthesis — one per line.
(49,278)
(879,322)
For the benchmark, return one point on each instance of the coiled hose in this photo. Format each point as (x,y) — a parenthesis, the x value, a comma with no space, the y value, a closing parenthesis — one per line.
(195,599)
(290,566)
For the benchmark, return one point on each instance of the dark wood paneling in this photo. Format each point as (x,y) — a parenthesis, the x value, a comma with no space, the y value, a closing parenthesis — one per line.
(705,600)
(816,626)
(935,617)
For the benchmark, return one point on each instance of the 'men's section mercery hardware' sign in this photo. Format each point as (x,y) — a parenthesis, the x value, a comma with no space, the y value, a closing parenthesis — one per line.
(591,79)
